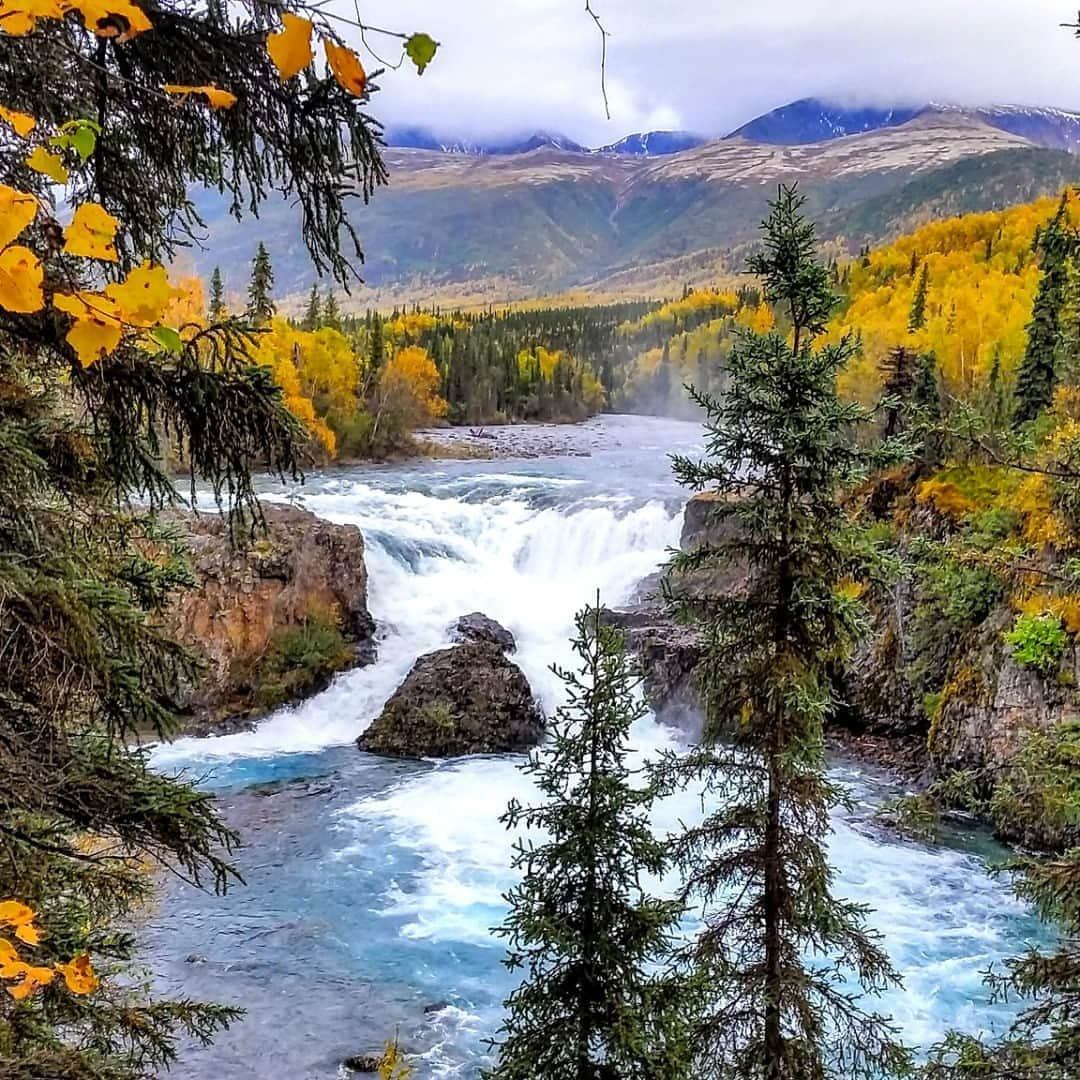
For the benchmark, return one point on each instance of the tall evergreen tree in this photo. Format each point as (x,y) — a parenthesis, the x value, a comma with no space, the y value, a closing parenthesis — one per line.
(776,942)
(216,310)
(917,318)
(1037,376)
(581,926)
(313,312)
(261,307)
(88,568)
(331,316)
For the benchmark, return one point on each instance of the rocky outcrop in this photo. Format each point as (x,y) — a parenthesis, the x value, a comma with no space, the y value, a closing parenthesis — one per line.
(271,621)
(478,627)
(468,699)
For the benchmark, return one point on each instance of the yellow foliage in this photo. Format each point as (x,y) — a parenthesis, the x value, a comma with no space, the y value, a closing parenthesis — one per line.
(392,1064)
(410,325)
(409,387)
(144,296)
(759,319)
(17,210)
(21,277)
(1034,503)
(1066,608)
(290,47)
(977,304)
(346,66)
(676,311)
(48,164)
(215,97)
(945,497)
(91,233)
(21,123)
(25,978)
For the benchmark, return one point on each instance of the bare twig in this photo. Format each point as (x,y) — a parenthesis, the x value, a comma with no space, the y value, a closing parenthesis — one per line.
(603,54)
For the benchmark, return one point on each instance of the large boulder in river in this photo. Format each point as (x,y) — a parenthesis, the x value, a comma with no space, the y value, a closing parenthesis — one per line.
(272,620)
(478,627)
(468,699)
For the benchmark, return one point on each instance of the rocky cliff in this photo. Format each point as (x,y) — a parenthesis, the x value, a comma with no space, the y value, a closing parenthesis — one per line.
(272,621)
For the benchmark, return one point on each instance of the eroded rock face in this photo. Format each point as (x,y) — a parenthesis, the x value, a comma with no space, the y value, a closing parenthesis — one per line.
(468,699)
(478,627)
(273,621)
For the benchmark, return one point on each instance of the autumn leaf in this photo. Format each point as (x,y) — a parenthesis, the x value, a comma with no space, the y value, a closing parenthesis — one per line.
(91,233)
(20,17)
(8,957)
(117,19)
(17,210)
(142,298)
(79,975)
(420,49)
(97,329)
(290,48)
(23,123)
(32,979)
(215,97)
(48,164)
(346,66)
(21,277)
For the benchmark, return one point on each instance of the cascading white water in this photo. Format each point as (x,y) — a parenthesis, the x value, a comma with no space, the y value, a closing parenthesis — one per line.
(391,888)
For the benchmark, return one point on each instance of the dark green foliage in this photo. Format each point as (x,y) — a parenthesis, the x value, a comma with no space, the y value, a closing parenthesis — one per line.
(299,661)
(581,927)
(1037,375)
(779,452)
(216,311)
(86,568)
(917,318)
(899,371)
(331,315)
(313,312)
(260,306)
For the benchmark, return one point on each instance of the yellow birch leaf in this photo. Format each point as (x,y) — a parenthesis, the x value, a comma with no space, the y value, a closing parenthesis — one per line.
(92,339)
(50,165)
(290,47)
(32,979)
(17,210)
(79,975)
(216,97)
(29,933)
(21,277)
(346,66)
(91,233)
(144,296)
(19,17)
(119,19)
(23,123)
(8,956)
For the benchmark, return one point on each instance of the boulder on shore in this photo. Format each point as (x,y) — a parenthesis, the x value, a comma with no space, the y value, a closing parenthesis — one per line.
(271,621)
(468,699)
(478,627)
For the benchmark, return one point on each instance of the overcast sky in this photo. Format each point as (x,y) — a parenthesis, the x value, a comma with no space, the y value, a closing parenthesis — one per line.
(514,66)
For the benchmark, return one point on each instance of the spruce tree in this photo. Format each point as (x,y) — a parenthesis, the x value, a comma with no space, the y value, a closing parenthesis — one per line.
(581,927)
(313,312)
(776,942)
(917,318)
(88,566)
(216,311)
(331,317)
(898,371)
(1037,376)
(261,307)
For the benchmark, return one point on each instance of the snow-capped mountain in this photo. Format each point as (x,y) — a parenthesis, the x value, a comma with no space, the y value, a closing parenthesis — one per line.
(639,144)
(653,143)
(813,120)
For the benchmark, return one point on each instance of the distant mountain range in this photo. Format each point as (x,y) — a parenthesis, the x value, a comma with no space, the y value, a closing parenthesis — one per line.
(465,222)
(640,144)
(810,120)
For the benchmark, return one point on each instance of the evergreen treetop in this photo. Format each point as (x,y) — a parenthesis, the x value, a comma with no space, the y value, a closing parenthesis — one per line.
(261,307)
(779,451)
(587,937)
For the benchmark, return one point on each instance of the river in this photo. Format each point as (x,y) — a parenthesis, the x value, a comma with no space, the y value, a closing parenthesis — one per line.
(371,885)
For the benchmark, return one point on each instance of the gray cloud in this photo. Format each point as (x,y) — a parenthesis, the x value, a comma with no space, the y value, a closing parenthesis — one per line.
(511,66)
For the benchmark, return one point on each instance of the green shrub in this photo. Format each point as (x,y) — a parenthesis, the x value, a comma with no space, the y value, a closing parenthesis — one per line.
(299,660)
(1038,642)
